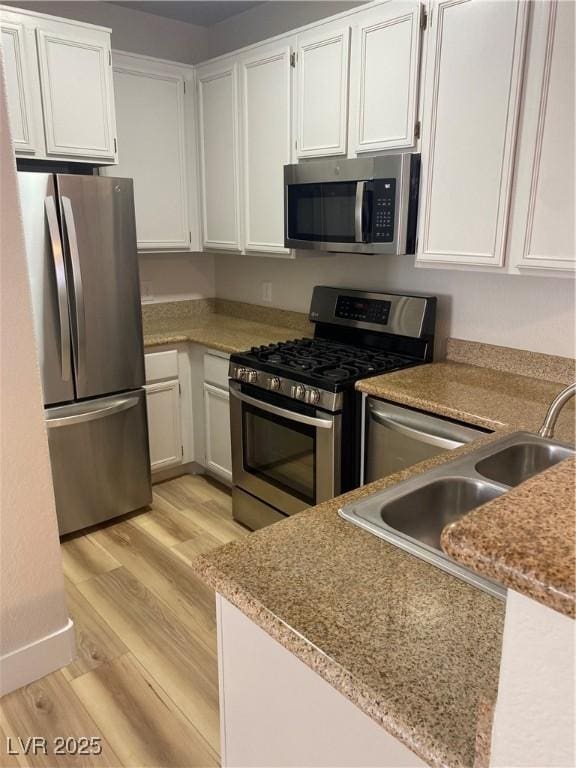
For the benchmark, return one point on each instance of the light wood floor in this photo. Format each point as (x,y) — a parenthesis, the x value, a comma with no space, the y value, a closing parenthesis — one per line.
(145,679)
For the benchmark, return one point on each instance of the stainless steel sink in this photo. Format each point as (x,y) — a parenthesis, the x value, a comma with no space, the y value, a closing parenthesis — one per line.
(517,463)
(413,513)
(445,501)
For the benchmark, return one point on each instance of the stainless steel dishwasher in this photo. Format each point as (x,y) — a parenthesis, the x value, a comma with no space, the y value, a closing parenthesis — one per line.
(396,437)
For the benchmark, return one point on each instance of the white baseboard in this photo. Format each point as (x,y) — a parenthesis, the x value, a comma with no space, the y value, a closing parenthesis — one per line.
(33,661)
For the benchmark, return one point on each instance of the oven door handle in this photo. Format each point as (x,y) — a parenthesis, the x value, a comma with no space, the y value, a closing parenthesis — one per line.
(311,421)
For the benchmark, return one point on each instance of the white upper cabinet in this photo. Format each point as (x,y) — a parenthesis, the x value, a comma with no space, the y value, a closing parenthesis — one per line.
(384,72)
(322,91)
(69,114)
(471,104)
(266,80)
(151,120)
(21,88)
(219,159)
(542,230)
(75,76)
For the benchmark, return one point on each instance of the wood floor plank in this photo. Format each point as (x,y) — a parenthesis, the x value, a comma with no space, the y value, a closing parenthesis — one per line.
(49,708)
(193,548)
(162,643)
(82,559)
(143,725)
(167,524)
(96,643)
(165,574)
(212,521)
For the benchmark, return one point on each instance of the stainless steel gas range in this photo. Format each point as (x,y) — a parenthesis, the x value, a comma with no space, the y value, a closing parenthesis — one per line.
(295,415)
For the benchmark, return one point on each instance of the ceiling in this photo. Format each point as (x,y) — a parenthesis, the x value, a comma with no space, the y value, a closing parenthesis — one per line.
(202,13)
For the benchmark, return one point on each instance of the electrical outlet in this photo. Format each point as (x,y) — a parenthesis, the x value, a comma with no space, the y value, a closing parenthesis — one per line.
(147,290)
(267,292)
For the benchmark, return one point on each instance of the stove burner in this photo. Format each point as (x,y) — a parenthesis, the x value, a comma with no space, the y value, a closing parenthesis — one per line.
(338,374)
(326,360)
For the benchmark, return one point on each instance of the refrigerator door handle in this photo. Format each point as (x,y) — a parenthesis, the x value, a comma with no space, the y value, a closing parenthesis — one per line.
(78,290)
(83,414)
(60,271)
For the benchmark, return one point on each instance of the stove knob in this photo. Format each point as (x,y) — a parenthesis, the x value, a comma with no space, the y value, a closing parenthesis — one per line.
(241,374)
(274,383)
(313,396)
(251,376)
(298,392)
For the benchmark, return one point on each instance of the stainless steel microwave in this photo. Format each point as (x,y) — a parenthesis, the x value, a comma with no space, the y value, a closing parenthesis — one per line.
(366,205)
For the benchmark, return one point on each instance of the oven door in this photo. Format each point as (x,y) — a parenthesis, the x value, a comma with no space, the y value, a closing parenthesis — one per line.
(288,459)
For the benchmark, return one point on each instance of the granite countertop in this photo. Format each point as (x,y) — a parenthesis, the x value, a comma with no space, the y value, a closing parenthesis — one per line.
(221,332)
(223,325)
(413,647)
(525,539)
(483,396)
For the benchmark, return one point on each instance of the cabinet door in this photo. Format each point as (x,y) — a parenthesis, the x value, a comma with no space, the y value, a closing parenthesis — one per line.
(218,443)
(75,76)
(218,116)
(384,77)
(19,87)
(151,139)
(266,96)
(542,231)
(471,104)
(163,403)
(322,92)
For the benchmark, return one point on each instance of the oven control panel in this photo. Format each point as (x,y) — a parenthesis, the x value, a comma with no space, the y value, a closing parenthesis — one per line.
(363,310)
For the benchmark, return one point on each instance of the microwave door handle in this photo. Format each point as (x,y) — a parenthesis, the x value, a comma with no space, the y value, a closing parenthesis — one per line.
(358,229)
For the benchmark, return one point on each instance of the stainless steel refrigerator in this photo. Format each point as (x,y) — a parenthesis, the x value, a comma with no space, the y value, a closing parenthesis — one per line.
(81,249)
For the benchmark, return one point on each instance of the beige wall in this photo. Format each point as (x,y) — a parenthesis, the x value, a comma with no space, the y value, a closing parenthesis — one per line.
(271,18)
(32,602)
(132,30)
(533,313)
(178,276)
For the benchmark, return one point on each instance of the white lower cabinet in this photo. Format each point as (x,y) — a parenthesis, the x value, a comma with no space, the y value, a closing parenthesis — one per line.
(275,711)
(163,404)
(217,425)
(169,400)
(188,409)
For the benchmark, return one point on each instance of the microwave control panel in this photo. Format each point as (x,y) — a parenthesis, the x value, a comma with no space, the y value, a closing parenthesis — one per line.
(384,197)
(365,310)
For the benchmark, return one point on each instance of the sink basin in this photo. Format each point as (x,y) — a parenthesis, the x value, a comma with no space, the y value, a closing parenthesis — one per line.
(517,463)
(412,514)
(424,512)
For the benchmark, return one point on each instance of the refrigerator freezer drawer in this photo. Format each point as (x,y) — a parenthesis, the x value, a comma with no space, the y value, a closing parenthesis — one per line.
(100,460)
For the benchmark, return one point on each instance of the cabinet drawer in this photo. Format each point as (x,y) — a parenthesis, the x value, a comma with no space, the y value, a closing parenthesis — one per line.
(216,370)
(161,365)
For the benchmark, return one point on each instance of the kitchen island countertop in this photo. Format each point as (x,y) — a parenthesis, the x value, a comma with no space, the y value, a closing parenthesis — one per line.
(414,648)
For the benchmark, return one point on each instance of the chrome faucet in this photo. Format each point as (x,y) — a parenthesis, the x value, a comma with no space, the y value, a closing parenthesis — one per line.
(547,428)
